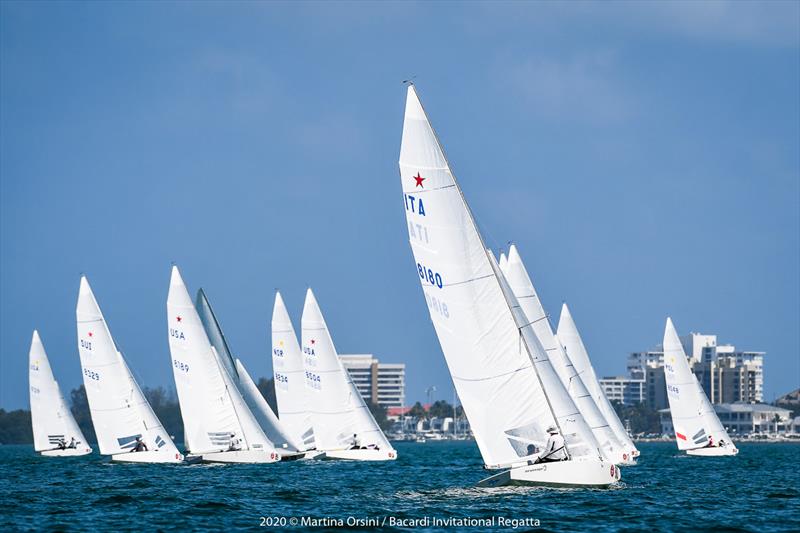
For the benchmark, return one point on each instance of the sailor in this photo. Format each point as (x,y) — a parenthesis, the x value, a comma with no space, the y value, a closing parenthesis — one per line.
(710,441)
(555,449)
(234,444)
(355,443)
(721,443)
(72,443)
(140,446)
(62,444)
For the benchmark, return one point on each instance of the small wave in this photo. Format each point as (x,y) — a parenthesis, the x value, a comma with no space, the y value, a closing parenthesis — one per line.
(212,505)
(787,495)
(115,499)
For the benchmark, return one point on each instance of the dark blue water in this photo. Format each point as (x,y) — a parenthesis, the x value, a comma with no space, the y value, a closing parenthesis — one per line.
(757,491)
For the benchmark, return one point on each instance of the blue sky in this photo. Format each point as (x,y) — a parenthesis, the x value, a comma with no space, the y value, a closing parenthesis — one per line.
(643,156)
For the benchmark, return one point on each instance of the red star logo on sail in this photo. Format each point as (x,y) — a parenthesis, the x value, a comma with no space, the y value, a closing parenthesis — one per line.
(313,341)
(419,179)
(178,318)
(90,333)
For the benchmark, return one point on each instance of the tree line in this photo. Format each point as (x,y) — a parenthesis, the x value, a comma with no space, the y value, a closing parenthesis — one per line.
(15,426)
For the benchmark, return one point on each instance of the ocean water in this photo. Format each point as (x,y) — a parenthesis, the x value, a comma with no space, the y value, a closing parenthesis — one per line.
(759,490)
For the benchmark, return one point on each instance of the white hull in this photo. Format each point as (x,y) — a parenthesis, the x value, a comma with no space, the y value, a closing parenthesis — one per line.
(559,474)
(69,452)
(628,459)
(302,456)
(147,457)
(362,455)
(717,451)
(242,456)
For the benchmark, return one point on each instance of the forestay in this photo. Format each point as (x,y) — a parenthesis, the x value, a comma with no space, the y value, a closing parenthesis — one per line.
(693,416)
(490,361)
(570,338)
(120,412)
(338,411)
(51,419)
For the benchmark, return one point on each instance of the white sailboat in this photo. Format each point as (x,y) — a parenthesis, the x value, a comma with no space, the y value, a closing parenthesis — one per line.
(507,386)
(571,340)
(520,281)
(55,432)
(698,430)
(289,377)
(218,426)
(274,430)
(121,415)
(344,428)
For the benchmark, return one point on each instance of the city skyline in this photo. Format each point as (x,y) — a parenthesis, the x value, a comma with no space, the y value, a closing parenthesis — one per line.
(646,167)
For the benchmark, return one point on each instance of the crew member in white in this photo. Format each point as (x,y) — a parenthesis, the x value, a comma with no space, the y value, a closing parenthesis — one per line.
(555,449)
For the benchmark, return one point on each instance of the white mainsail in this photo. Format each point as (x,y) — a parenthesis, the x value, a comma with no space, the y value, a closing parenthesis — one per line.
(503,377)
(214,413)
(338,411)
(51,418)
(120,412)
(261,410)
(693,416)
(522,285)
(571,340)
(289,375)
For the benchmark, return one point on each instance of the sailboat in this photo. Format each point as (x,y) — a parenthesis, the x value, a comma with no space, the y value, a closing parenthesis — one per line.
(289,378)
(218,425)
(274,430)
(520,281)
(55,432)
(344,427)
(507,385)
(121,415)
(571,340)
(698,430)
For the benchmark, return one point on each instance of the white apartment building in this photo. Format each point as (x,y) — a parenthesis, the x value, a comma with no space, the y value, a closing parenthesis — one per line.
(624,390)
(727,375)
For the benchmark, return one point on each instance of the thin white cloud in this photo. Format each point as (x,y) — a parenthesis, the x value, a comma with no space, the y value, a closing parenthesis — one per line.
(775,23)
(248,86)
(586,87)
(763,23)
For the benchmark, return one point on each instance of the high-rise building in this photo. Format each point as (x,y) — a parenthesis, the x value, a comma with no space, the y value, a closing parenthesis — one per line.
(726,375)
(380,383)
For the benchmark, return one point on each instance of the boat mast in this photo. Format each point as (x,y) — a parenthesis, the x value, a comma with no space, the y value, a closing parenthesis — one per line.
(488,253)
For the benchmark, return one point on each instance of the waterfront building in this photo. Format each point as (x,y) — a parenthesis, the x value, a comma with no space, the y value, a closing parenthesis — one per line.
(380,383)
(744,419)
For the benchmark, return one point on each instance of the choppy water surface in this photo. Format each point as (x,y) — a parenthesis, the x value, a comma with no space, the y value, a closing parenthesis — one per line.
(757,491)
